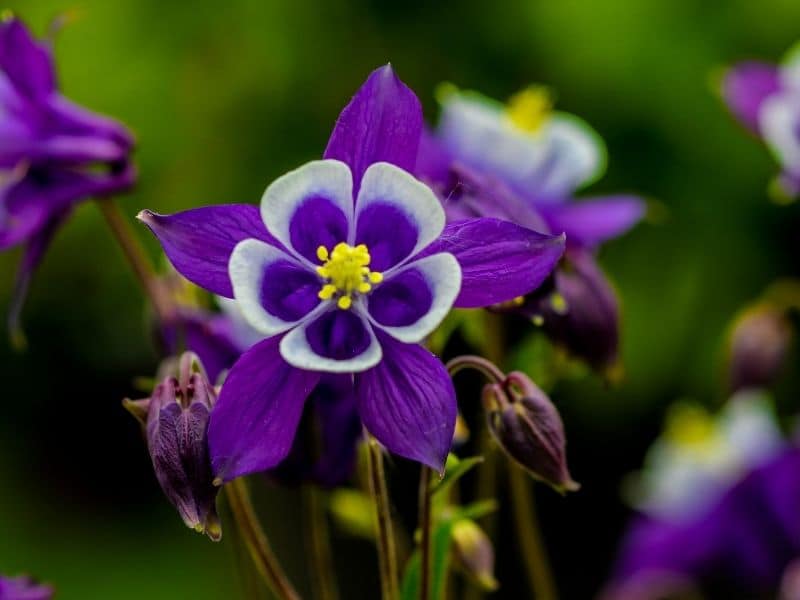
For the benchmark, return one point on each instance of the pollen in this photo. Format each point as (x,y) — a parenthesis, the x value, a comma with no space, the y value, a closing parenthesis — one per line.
(529,109)
(345,270)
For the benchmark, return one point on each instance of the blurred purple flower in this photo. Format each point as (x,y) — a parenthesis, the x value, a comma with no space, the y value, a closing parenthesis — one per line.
(766,99)
(758,347)
(726,517)
(523,163)
(50,153)
(354,268)
(23,588)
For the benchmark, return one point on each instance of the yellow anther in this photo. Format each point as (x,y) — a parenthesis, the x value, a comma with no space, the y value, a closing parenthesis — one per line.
(327,291)
(346,271)
(558,303)
(537,320)
(518,301)
(529,109)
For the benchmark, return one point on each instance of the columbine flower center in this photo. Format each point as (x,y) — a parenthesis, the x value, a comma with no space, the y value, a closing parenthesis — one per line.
(529,109)
(346,272)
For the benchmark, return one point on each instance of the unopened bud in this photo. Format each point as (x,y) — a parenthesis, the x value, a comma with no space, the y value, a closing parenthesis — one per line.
(177,426)
(474,553)
(527,426)
(759,343)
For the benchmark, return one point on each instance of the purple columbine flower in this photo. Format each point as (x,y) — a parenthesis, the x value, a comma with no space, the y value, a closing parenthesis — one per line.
(766,99)
(23,588)
(345,269)
(524,163)
(53,153)
(718,502)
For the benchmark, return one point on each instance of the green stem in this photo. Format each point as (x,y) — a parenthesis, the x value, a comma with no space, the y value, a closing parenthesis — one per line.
(537,565)
(387,554)
(256,540)
(426,527)
(324,579)
(137,258)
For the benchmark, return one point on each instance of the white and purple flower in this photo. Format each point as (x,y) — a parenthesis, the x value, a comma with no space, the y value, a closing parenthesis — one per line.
(524,163)
(53,153)
(766,99)
(346,269)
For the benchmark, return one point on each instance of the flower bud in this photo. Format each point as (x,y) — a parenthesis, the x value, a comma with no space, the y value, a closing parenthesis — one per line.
(759,343)
(527,426)
(474,553)
(177,424)
(23,588)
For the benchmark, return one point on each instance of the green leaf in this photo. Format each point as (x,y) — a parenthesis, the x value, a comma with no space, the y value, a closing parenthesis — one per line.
(440,564)
(474,511)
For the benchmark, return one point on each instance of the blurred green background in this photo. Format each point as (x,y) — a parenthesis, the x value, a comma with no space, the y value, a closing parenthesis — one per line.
(224,97)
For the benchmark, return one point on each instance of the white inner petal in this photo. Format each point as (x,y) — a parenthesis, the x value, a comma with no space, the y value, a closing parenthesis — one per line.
(779,120)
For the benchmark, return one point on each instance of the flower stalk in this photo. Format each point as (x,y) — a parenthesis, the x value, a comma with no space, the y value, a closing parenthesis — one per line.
(137,258)
(387,553)
(534,556)
(426,529)
(324,580)
(256,540)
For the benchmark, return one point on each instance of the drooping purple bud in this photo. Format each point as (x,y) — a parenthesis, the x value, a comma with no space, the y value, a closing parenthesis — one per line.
(527,426)
(474,553)
(177,425)
(579,311)
(758,345)
(23,588)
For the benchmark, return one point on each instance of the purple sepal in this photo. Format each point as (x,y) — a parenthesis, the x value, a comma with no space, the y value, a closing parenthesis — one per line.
(177,425)
(747,539)
(527,426)
(26,62)
(578,309)
(745,88)
(259,408)
(382,123)
(23,588)
(199,241)
(592,221)
(499,260)
(408,403)
(324,450)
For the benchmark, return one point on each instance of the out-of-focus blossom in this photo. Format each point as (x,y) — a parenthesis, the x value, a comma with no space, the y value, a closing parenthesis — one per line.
(53,154)
(718,501)
(524,163)
(177,416)
(347,267)
(758,346)
(23,588)
(527,426)
(765,97)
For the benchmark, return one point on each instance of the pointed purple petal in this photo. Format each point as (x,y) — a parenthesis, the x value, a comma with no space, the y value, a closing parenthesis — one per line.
(34,252)
(254,421)
(592,221)
(746,86)
(199,241)
(27,63)
(382,122)
(499,260)
(408,403)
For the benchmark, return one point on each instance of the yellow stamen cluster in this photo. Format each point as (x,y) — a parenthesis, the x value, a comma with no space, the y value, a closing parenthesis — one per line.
(529,109)
(346,271)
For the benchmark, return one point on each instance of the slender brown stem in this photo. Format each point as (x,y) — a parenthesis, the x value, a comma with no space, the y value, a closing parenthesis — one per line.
(537,565)
(137,258)
(324,579)
(468,361)
(256,540)
(387,554)
(426,527)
